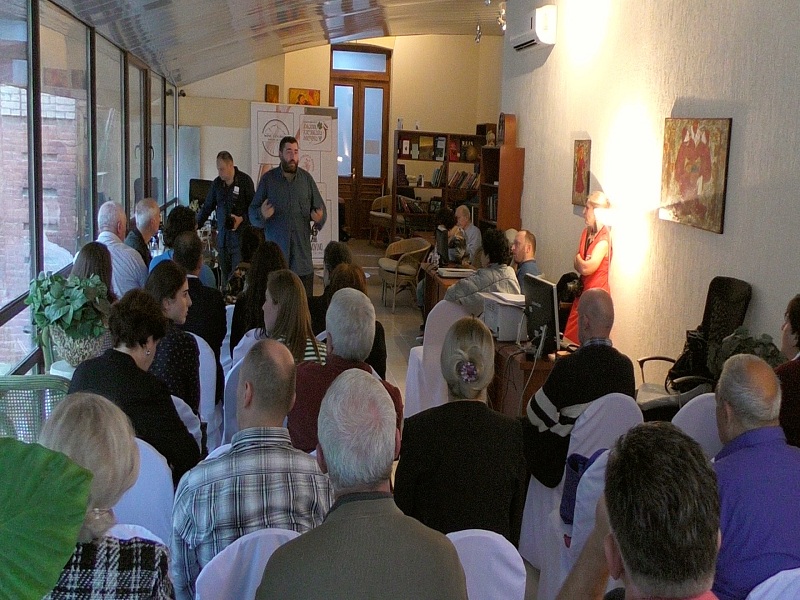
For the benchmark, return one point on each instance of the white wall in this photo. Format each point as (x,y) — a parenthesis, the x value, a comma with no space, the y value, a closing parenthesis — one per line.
(619,67)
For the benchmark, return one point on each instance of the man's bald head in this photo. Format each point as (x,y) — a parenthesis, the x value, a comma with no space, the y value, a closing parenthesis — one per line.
(269,371)
(748,396)
(595,314)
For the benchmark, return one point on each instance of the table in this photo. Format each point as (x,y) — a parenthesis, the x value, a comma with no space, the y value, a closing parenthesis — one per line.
(435,286)
(512,372)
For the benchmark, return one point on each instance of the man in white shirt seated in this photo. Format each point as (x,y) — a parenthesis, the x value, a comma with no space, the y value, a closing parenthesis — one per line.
(472,234)
(128,270)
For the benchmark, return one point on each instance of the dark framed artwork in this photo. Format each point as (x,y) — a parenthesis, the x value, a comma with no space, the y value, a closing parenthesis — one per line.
(272,93)
(580,171)
(694,172)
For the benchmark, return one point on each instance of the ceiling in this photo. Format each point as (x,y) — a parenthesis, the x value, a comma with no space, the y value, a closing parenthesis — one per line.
(189,40)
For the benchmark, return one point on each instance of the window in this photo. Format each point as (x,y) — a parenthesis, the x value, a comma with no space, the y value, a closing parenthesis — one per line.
(110,171)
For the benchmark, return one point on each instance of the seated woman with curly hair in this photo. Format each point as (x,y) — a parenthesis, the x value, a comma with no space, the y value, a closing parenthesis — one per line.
(98,436)
(180,219)
(120,374)
(461,464)
(286,319)
(497,277)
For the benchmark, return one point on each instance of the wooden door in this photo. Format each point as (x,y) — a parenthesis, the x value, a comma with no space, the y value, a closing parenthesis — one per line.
(362,98)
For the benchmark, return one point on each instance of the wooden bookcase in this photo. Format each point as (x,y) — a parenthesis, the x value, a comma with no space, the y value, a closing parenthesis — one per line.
(502,169)
(438,157)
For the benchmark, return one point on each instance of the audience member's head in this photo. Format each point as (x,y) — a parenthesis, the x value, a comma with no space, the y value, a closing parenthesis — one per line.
(748,396)
(524,246)
(98,436)
(286,314)
(267,258)
(463,216)
(180,219)
(663,509)
(467,359)
(136,319)
(595,315)
(148,217)
(347,276)
(168,285)
(358,436)
(265,393)
(495,247)
(111,218)
(790,332)
(446,218)
(188,252)
(94,259)
(336,253)
(350,322)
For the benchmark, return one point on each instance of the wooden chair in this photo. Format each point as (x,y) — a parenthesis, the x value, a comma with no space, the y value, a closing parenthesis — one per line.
(399,268)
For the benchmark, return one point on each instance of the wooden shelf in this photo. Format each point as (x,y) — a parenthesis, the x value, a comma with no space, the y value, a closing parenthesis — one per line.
(500,203)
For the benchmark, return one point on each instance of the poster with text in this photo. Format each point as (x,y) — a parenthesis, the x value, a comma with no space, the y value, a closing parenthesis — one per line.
(316,131)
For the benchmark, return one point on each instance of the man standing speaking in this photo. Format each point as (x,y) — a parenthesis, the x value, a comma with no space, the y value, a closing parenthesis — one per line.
(286,200)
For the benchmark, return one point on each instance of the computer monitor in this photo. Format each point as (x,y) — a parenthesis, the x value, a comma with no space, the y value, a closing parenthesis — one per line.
(541,308)
(442,245)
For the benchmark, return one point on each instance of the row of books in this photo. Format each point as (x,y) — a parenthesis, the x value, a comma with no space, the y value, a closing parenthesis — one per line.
(463,180)
(491,207)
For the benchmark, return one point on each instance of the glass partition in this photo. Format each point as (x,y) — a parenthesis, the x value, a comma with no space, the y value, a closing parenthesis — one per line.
(110,145)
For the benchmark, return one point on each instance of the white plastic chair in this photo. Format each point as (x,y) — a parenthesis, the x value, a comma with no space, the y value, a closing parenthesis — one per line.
(126,531)
(149,502)
(698,419)
(492,566)
(425,386)
(231,383)
(541,537)
(225,351)
(781,586)
(236,571)
(190,419)
(210,413)
(590,488)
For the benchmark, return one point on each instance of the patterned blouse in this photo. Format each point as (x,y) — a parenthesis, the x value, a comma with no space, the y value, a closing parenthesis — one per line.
(177,363)
(252,336)
(112,569)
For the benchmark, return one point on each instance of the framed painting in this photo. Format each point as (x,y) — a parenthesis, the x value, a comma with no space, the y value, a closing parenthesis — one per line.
(580,172)
(694,172)
(272,93)
(304,96)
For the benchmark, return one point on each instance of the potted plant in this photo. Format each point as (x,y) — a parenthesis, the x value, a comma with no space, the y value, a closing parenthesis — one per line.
(73,312)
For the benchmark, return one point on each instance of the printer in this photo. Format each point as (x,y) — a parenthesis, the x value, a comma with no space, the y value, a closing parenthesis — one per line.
(503,314)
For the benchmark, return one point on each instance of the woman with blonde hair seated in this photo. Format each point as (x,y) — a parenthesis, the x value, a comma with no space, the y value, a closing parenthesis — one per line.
(286,319)
(461,464)
(98,436)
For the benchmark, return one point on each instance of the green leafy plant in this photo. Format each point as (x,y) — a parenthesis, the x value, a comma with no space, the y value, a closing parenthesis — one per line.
(43,499)
(78,306)
(741,342)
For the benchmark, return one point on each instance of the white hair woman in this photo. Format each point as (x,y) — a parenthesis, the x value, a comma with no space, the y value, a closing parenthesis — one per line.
(98,436)
(461,464)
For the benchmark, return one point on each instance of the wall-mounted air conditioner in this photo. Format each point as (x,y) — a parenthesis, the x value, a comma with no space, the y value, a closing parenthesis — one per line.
(537,27)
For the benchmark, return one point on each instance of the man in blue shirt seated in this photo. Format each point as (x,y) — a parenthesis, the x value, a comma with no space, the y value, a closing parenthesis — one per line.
(758,475)
(524,252)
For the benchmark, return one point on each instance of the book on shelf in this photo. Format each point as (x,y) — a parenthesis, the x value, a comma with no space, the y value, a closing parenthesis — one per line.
(402,178)
(414,150)
(439,149)
(453,150)
(426,147)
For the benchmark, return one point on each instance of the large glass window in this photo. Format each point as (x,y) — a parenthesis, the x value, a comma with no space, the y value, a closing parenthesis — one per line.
(66,184)
(110,172)
(136,152)
(157,137)
(170,142)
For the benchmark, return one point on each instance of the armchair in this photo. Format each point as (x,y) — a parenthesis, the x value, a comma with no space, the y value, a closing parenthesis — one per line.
(25,403)
(400,267)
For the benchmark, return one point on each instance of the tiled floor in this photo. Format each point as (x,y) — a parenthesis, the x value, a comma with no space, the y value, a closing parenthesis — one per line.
(402,326)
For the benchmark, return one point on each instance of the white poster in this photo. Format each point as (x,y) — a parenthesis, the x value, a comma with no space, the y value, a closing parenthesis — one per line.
(315,128)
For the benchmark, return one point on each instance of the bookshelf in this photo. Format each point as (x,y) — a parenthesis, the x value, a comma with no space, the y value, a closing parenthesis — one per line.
(440,169)
(502,169)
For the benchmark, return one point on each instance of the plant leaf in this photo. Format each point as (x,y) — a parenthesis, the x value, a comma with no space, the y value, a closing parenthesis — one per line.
(43,500)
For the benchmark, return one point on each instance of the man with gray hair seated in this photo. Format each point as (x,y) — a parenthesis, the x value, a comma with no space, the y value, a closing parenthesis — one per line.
(350,322)
(147,215)
(128,270)
(366,548)
(758,475)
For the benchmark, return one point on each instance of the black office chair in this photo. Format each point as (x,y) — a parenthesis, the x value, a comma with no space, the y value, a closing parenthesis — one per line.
(689,376)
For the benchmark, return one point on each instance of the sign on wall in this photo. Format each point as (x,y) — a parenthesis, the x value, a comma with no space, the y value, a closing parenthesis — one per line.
(316,131)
